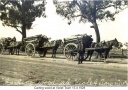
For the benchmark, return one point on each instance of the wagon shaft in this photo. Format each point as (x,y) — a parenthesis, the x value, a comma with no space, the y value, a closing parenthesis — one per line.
(95,48)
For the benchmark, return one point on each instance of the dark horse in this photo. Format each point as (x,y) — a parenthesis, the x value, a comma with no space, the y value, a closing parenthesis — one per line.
(106,50)
(18,46)
(53,45)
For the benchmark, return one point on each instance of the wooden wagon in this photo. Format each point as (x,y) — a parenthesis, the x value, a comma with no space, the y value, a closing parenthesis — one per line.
(70,47)
(36,44)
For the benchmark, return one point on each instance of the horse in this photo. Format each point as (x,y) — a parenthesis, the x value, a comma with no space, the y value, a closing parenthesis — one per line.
(108,46)
(54,49)
(18,46)
(96,45)
(41,43)
(54,45)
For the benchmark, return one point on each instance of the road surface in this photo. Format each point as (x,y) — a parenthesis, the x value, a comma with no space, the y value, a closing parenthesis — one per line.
(24,70)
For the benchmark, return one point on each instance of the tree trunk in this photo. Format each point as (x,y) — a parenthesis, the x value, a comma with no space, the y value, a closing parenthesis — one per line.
(23,32)
(97,32)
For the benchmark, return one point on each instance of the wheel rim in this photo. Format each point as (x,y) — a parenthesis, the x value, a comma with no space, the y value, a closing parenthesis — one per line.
(70,51)
(30,49)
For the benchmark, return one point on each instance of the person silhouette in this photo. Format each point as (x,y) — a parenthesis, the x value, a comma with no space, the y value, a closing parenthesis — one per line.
(80,52)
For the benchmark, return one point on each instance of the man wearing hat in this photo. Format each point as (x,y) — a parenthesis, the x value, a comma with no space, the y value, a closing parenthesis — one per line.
(80,51)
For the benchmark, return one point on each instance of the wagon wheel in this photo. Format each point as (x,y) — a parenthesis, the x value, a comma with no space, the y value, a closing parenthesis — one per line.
(30,49)
(70,51)
(1,48)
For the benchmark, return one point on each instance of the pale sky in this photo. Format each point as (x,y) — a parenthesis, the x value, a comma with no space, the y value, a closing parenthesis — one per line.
(56,27)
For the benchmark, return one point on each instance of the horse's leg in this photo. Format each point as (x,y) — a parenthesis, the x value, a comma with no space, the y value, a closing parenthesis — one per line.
(55,49)
(52,52)
(82,57)
(45,52)
(16,51)
(55,53)
(13,50)
(91,53)
(19,51)
(106,55)
(100,55)
(88,53)
(9,51)
(79,58)
(41,52)
(97,54)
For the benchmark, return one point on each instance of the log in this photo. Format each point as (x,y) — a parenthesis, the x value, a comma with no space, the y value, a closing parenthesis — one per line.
(33,37)
(74,39)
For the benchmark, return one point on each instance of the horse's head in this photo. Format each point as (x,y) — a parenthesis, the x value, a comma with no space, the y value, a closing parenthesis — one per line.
(13,39)
(8,41)
(59,42)
(113,43)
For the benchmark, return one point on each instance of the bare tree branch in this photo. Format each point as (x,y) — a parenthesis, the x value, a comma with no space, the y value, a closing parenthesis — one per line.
(18,30)
(16,27)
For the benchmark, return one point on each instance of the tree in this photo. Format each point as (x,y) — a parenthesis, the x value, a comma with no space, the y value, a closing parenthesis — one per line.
(90,10)
(20,14)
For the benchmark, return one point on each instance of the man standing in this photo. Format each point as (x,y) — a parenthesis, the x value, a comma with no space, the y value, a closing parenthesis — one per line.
(80,52)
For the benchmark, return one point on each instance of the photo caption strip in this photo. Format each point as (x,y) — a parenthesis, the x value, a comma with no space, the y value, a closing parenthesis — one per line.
(59,87)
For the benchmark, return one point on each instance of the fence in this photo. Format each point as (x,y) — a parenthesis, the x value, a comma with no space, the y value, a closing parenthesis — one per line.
(122,53)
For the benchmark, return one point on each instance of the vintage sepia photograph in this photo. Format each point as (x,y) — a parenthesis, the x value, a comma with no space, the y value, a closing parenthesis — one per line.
(64,43)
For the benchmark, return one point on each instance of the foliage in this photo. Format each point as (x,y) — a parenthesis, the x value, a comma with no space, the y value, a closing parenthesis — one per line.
(90,11)
(20,14)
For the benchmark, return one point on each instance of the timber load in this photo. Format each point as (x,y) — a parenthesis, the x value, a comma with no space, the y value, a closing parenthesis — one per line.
(33,37)
(73,39)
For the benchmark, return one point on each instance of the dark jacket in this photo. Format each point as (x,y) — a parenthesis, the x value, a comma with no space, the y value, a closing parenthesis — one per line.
(80,47)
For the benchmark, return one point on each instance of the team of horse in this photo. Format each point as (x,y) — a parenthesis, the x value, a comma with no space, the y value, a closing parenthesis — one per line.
(101,48)
(8,44)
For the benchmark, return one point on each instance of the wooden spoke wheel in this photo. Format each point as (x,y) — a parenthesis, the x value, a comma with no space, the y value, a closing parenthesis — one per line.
(1,48)
(70,51)
(30,49)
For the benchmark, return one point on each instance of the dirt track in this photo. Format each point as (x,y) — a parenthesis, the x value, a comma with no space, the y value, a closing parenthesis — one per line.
(23,70)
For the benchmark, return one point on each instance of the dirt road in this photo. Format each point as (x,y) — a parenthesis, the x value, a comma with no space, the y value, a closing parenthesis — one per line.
(23,70)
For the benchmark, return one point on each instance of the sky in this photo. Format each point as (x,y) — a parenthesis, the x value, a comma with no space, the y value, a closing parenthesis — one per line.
(56,27)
